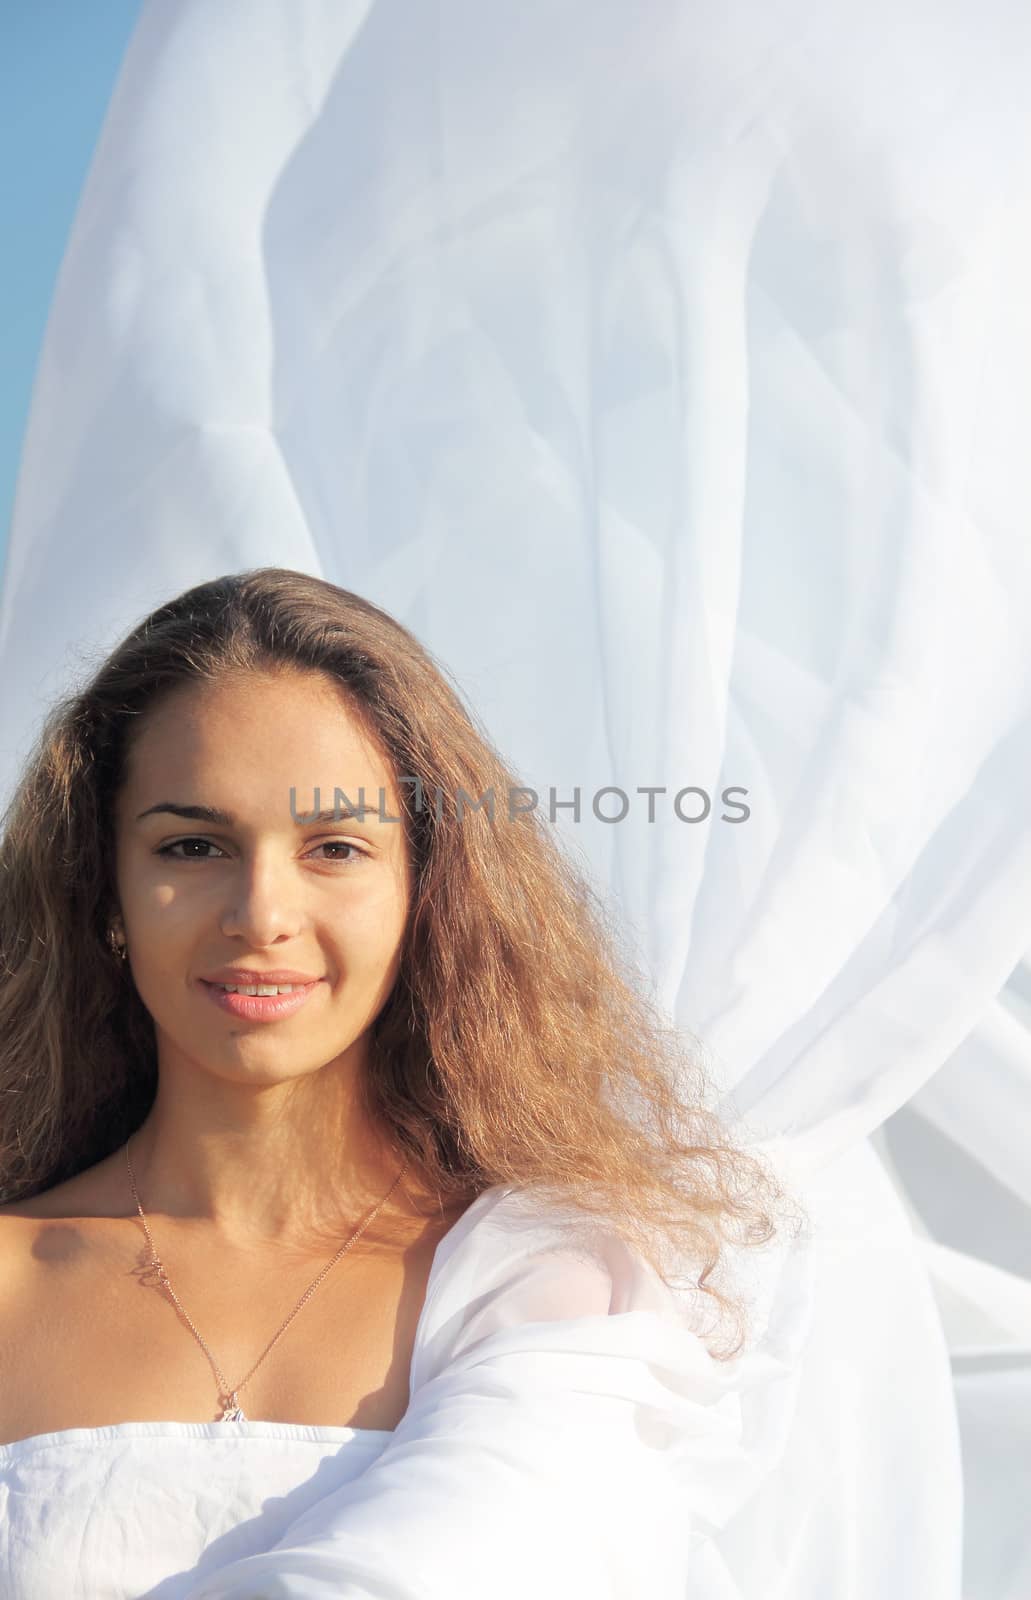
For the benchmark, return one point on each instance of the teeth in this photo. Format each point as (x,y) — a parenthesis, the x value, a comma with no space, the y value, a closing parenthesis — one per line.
(260,988)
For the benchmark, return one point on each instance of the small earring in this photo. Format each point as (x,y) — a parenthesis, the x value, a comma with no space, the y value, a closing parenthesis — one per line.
(118,946)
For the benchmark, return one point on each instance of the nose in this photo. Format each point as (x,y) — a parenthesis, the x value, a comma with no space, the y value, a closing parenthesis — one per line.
(264,901)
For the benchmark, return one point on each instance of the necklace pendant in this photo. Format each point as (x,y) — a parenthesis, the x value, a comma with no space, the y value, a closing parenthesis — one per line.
(231,1410)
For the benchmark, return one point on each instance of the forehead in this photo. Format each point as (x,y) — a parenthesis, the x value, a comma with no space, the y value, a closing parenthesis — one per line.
(288,729)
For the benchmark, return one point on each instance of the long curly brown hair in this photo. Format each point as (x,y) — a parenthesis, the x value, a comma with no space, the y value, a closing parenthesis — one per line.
(518,1046)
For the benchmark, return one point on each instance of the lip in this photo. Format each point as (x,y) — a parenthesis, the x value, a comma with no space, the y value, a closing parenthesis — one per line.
(253,975)
(258,1007)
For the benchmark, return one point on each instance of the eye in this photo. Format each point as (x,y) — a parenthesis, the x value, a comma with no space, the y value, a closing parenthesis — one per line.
(343,844)
(167,849)
(173,848)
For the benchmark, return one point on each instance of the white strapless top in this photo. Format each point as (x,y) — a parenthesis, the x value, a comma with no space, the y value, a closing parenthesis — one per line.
(147,1508)
(567,1435)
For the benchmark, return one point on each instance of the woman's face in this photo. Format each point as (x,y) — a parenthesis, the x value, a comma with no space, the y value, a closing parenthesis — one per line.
(256,888)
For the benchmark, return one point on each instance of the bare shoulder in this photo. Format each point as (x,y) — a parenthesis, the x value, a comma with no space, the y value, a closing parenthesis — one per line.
(32,1242)
(88,1194)
(17,1240)
(19,1228)
(20,1209)
(27,1253)
(23,1222)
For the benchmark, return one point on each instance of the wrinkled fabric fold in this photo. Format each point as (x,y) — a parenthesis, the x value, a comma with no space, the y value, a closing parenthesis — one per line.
(569,1434)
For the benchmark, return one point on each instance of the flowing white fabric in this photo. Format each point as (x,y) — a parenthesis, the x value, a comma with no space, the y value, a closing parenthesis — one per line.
(568,1436)
(664,367)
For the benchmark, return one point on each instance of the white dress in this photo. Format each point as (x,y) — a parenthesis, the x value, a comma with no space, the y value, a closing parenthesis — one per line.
(568,1435)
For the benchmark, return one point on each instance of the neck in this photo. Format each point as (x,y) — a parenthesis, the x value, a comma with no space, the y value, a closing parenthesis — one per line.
(259,1172)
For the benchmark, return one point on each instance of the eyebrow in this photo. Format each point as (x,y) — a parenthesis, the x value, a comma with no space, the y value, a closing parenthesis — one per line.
(226,819)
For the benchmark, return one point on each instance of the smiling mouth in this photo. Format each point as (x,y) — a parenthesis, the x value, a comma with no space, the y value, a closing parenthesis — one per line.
(260,1002)
(259,988)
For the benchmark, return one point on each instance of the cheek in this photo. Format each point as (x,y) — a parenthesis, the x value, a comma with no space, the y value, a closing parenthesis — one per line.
(166,938)
(167,917)
(373,936)
(377,944)
(156,899)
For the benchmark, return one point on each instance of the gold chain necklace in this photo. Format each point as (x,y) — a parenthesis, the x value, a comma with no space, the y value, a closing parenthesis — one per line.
(228,1398)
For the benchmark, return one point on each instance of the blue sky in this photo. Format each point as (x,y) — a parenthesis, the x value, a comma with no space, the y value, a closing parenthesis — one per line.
(58,63)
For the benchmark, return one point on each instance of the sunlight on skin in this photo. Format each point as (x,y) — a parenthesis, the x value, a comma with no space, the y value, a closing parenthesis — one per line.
(255,1129)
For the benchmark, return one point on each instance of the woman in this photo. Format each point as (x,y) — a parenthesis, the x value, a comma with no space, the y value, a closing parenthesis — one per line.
(286,979)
